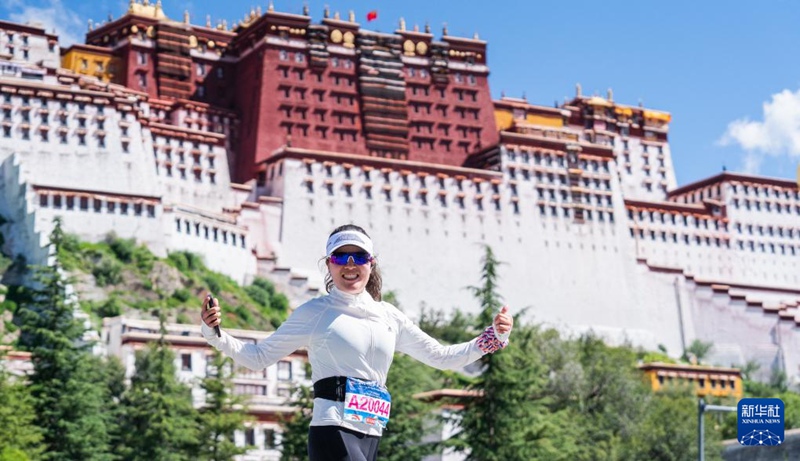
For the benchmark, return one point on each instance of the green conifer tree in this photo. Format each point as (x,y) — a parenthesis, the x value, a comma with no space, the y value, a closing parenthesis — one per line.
(159,419)
(508,419)
(20,438)
(223,413)
(410,419)
(294,440)
(68,398)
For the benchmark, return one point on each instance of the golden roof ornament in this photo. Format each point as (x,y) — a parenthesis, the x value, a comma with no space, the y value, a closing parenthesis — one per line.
(186,16)
(270,7)
(351,16)
(336,15)
(258,11)
(146,9)
(402,24)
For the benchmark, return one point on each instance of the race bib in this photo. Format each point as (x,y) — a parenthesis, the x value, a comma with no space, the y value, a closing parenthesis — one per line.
(367,402)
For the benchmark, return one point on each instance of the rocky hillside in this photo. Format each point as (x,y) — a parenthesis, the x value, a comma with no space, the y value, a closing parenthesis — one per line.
(120,277)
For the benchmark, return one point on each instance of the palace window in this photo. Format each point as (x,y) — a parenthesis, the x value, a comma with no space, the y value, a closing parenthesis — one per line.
(284,370)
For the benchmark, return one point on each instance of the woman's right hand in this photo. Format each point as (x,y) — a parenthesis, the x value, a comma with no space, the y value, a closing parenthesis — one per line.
(211,313)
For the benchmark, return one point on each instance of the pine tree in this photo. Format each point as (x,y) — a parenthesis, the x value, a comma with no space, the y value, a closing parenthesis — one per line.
(509,419)
(410,418)
(114,376)
(486,294)
(20,438)
(223,413)
(294,441)
(68,398)
(159,418)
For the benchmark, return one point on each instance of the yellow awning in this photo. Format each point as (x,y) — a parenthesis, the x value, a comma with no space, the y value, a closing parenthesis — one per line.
(661,116)
(624,111)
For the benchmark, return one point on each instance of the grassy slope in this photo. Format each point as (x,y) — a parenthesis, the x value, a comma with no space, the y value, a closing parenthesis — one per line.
(117,276)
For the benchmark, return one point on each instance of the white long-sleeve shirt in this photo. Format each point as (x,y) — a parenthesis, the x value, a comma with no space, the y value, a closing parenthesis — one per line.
(346,335)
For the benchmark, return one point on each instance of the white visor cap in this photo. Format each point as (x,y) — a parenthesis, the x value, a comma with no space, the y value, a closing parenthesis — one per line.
(348,237)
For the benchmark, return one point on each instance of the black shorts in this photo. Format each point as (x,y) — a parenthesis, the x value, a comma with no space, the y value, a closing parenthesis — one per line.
(335,443)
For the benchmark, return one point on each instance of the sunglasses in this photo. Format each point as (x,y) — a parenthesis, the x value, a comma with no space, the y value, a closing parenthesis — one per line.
(341,258)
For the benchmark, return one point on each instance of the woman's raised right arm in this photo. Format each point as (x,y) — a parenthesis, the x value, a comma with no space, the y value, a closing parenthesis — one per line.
(293,334)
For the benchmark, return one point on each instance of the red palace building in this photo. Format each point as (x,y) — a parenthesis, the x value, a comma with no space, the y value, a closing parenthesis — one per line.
(331,86)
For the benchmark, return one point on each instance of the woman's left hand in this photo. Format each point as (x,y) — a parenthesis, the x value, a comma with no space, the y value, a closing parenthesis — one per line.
(503,321)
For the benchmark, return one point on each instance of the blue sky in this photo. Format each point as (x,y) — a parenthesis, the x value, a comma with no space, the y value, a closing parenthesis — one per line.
(725,70)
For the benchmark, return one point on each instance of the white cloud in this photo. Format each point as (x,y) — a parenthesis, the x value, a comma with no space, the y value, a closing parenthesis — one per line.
(777,135)
(52,16)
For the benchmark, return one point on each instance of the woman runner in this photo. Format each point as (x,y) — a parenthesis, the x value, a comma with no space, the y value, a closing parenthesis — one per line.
(351,337)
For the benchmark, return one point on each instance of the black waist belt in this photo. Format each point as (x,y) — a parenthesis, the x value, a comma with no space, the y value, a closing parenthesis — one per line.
(332,388)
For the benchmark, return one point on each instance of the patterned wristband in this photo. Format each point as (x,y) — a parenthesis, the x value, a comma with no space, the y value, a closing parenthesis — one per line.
(488,342)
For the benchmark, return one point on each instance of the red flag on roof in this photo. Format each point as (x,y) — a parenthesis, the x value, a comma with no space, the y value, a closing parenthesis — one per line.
(372,15)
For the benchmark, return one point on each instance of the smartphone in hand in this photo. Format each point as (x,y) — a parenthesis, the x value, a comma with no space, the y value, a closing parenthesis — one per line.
(209,305)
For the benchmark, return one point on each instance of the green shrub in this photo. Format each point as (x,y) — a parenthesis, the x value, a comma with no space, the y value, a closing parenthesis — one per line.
(280,302)
(123,248)
(143,259)
(70,243)
(182,294)
(214,282)
(186,261)
(110,308)
(259,295)
(183,318)
(195,261)
(107,272)
(178,259)
(264,284)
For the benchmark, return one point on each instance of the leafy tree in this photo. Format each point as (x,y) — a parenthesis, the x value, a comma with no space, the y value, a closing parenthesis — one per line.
(601,386)
(509,419)
(410,418)
(699,350)
(222,414)
(69,399)
(457,328)
(668,429)
(159,419)
(19,436)
(294,443)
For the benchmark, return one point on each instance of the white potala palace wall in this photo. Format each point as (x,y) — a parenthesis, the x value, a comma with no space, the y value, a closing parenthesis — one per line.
(717,262)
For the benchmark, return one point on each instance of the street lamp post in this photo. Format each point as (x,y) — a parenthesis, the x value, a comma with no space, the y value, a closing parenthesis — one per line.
(701,409)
